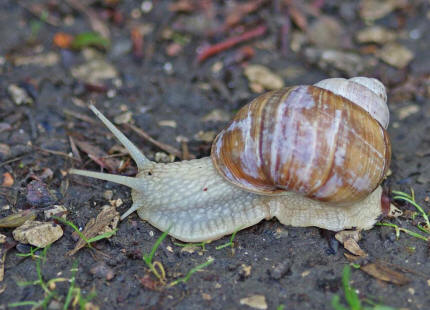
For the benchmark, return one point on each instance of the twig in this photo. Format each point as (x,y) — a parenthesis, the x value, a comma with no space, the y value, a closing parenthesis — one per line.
(229,43)
(165,147)
(80,116)
(296,15)
(38,11)
(74,149)
(137,40)
(55,153)
(96,23)
(239,12)
(185,152)
(12,160)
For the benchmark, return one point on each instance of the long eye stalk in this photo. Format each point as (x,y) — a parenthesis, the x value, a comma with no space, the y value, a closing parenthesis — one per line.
(127,181)
(135,153)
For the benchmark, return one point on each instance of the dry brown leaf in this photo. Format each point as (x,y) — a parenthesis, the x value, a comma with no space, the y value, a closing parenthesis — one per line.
(352,246)
(96,23)
(297,15)
(343,235)
(350,257)
(17,219)
(385,273)
(394,211)
(349,239)
(98,155)
(7,179)
(106,220)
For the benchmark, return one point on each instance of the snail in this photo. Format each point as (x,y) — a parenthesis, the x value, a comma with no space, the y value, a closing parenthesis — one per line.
(309,155)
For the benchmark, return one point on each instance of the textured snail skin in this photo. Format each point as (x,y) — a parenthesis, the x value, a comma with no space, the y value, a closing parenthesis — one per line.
(195,203)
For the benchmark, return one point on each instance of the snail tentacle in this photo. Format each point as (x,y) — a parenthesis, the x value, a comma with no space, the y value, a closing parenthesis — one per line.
(141,160)
(119,179)
(134,207)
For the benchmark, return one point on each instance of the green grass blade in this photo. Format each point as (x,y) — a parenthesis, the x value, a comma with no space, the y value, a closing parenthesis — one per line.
(350,294)
(336,304)
(103,236)
(407,231)
(84,301)
(148,258)
(72,286)
(417,206)
(192,270)
(23,303)
(32,251)
(230,243)
(75,228)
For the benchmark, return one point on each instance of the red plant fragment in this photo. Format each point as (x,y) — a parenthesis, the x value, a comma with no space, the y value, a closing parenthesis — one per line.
(229,43)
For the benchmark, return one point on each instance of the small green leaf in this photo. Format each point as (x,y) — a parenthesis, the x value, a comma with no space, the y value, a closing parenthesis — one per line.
(86,39)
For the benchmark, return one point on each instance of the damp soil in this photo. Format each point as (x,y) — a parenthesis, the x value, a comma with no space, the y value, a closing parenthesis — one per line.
(299,268)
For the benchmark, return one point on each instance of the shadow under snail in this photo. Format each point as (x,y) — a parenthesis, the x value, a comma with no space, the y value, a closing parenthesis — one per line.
(307,155)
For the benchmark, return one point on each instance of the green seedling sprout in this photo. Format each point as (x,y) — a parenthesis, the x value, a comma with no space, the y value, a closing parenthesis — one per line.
(47,287)
(44,285)
(410,198)
(82,236)
(230,243)
(72,286)
(351,296)
(192,270)
(161,275)
(34,304)
(29,254)
(399,229)
(190,245)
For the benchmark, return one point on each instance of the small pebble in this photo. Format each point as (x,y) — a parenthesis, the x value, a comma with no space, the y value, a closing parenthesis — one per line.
(19,95)
(39,234)
(279,270)
(101,270)
(108,194)
(255,301)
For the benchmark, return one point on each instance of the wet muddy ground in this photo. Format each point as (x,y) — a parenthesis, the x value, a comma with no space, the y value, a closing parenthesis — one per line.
(149,75)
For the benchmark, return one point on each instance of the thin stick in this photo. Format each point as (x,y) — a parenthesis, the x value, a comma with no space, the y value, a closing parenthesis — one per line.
(96,23)
(165,147)
(38,11)
(80,116)
(229,43)
(12,160)
(56,153)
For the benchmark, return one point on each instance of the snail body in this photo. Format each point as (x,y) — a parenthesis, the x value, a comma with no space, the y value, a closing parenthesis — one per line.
(335,187)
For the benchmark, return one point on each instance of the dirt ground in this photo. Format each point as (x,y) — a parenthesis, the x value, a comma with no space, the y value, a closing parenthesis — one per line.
(152,74)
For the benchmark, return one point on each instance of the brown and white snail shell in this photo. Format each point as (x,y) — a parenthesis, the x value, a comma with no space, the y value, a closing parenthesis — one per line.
(307,155)
(308,140)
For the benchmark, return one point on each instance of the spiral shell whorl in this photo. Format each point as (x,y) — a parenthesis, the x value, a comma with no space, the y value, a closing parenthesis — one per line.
(369,93)
(307,140)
